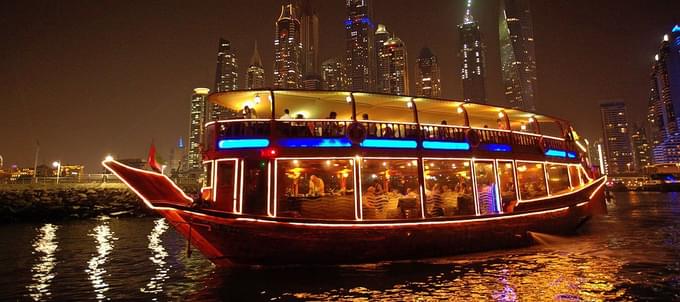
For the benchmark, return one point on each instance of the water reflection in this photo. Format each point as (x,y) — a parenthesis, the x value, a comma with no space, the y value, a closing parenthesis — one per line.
(96,271)
(45,245)
(155,285)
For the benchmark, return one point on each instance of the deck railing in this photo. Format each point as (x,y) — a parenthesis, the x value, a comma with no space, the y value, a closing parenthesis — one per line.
(519,141)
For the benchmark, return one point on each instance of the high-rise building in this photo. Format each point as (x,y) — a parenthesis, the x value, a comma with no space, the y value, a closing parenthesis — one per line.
(226,78)
(359,47)
(618,147)
(287,50)
(380,36)
(312,81)
(395,61)
(472,70)
(255,72)
(199,114)
(518,60)
(428,82)
(664,101)
(333,75)
(309,37)
(641,147)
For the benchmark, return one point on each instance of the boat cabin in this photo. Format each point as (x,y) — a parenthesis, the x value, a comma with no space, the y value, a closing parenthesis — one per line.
(334,155)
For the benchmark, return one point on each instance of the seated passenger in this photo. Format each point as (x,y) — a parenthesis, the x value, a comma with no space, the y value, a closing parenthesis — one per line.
(332,128)
(442,132)
(316,186)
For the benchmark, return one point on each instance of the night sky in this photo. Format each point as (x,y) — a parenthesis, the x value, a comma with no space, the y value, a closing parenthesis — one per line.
(89,78)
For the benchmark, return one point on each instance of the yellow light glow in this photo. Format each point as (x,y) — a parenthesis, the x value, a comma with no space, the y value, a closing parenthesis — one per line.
(348,99)
(460,109)
(500,114)
(257,99)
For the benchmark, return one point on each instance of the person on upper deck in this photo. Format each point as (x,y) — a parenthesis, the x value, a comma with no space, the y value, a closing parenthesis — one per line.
(286,114)
(332,129)
(372,128)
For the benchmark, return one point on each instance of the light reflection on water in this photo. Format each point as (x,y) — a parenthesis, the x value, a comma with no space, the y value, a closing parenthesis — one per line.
(45,246)
(629,255)
(155,285)
(104,243)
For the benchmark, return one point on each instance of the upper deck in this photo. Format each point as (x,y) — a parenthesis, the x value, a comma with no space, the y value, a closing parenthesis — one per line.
(380,124)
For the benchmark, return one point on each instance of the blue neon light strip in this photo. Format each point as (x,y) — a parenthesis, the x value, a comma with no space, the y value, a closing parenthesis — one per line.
(676,28)
(498,147)
(556,153)
(439,145)
(389,143)
(243,143)
(571,155)
(315,142)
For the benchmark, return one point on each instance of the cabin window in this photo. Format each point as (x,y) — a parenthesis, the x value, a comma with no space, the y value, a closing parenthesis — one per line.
(448,188)
(225,185)
(531,180)
(390,189)
(508,191)
(558,178)
(255,187)
(315,188)
(487,189)
(574,176)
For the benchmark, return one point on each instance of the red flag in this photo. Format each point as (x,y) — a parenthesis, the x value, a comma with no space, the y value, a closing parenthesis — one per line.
(152,159)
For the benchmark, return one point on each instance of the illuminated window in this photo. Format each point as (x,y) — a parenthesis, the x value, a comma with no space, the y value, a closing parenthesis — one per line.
(487,197)
(531,180)
(506,176)
(558,178)
(225,186)
(448,187)
(574,177)
(390,189)
(316,188)
(255,187)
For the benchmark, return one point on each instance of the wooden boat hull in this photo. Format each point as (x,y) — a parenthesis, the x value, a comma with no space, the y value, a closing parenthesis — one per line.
(231,239)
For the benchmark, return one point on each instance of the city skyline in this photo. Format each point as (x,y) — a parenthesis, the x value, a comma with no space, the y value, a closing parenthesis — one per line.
(137,110)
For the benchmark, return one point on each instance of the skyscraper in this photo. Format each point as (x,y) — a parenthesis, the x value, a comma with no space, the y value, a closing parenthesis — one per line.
(616,138)
(380,36)
(309,37)
(428,82)
(518,60)
(198,118)
(333,75)
(287,50)
(226,77)
(255,72)
(472,70)
(359,48)
(640,147)
(664,102)
(393,57)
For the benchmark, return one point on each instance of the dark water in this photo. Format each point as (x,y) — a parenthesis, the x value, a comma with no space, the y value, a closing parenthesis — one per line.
(631,254)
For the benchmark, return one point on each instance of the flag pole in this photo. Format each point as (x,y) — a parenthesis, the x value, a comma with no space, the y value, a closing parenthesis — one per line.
(35,161)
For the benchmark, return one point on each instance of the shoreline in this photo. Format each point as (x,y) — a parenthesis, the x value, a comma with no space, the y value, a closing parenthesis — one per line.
(44,203)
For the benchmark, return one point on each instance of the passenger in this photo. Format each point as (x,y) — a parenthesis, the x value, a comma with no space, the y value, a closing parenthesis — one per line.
(286,114)
(332,129)
(435,202)
(443,131)
(486,198)
(316,186)
(372,128)
(246,112)
(501,124)
(388,132)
